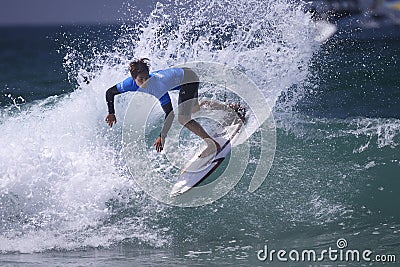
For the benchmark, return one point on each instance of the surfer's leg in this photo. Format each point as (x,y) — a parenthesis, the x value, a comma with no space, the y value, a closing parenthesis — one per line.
(196,128)
(188,101)
(196,107)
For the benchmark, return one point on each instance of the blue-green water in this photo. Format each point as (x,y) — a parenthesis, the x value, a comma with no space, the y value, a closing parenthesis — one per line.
(66,197)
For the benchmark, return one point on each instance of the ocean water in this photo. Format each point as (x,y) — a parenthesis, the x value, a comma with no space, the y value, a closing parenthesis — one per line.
(68,199)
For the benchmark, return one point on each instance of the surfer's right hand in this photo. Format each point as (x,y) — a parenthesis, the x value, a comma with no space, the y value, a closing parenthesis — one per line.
(159,144)
(111,119)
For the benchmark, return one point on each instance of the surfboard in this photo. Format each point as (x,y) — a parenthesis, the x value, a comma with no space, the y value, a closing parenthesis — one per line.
(198,169)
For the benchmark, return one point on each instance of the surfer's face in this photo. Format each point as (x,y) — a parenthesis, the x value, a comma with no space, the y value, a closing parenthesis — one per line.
(141,79)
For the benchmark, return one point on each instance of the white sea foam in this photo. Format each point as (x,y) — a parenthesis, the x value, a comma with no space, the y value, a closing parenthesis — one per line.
(59,162)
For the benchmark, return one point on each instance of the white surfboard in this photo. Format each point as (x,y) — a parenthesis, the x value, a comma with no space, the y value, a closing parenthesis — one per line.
(198,168)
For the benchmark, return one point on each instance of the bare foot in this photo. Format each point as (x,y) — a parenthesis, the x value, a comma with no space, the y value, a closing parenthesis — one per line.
(212,149)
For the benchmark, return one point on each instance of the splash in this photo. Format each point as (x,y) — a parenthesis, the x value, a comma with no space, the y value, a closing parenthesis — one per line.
(62,183)
(270,41)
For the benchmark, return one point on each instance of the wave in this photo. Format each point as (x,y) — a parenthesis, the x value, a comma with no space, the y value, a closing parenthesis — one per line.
(63,183)
(364,133)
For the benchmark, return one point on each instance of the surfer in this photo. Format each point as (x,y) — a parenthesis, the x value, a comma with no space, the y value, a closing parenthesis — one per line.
(158,83)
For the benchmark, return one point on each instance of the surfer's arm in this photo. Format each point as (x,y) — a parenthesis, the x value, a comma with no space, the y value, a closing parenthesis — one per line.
(169,118)
(126,85)
(110,94)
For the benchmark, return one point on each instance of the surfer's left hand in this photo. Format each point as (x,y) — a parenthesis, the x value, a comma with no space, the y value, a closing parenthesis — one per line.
(111,119)
(159,144)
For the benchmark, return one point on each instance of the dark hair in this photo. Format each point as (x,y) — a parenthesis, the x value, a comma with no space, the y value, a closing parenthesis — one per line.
(138,66)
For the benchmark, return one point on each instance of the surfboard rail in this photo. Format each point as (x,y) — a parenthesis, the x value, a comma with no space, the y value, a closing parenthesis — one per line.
(198,169)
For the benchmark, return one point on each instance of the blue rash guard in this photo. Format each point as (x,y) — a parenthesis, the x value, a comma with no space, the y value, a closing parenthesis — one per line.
(158,84)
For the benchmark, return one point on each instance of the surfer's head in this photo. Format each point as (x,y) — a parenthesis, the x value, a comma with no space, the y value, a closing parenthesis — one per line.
(139,70)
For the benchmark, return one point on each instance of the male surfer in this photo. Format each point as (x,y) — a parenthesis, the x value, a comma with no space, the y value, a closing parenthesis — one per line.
(158,83)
